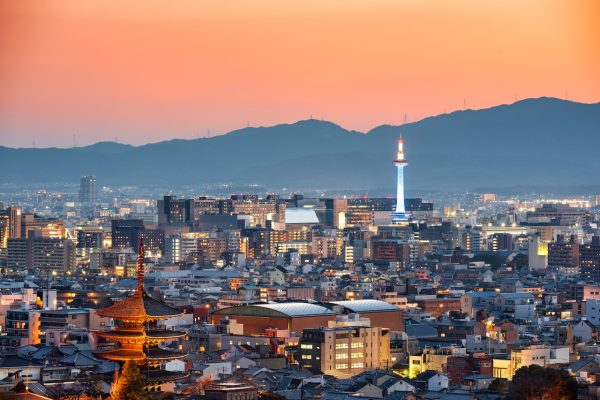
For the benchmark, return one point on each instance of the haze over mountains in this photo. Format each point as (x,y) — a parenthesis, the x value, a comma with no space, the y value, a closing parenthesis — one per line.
(543,142)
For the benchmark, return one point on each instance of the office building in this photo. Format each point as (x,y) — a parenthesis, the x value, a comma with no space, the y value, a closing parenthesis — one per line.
(87,189)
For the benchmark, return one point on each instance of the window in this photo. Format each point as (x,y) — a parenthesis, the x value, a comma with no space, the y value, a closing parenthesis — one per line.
(341,366)
(358,365)
(357,355)
(356,345)
(341,356)
(306,357)
(306,346)
(341,345)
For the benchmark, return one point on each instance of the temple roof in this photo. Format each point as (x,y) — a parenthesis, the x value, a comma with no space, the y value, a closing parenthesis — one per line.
(140,305)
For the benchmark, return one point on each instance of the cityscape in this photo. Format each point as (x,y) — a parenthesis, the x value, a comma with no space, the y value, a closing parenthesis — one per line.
(419,255)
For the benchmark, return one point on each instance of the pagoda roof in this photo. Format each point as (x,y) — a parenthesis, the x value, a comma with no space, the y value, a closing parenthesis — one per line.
(122,355)
(162,375)
(140,306)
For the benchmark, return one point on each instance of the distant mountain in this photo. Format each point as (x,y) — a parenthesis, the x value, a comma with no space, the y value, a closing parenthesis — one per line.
(543,142)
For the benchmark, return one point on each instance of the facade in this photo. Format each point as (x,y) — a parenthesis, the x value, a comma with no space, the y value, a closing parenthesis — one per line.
(460,367)
(87,189)
(345,351)
(47,254)
(589,259)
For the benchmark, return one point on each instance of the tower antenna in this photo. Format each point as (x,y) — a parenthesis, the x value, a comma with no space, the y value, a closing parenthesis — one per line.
(405,118)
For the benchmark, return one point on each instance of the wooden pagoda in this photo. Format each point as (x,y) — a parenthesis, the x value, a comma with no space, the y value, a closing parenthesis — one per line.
(136,334)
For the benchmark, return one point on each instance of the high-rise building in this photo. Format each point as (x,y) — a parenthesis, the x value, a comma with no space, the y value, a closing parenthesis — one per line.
(124,232)
(48,254)
(10,225)
(399,214)
(589,259)
(87,189)
(563,253)
(173,211)
(89,237)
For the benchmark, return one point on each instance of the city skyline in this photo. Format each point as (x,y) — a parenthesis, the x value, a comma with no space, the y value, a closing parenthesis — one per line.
(160,72)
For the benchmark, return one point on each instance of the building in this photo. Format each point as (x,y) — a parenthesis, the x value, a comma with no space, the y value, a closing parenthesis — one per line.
(173,211)
(295,317)
(439,306)
(537,253)
(10,225)
(563,254)
(346,348)
(87,189)
(138,337)
(392,250)
(89,237)
(231,391)
(558,214)
(460,367)
(47,254)
(589,259)
(124,232)
(399,214)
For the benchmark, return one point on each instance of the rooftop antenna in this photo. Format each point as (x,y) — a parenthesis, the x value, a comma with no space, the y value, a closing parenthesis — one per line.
(248,124)
(208,133)
(405,118)
(464,104)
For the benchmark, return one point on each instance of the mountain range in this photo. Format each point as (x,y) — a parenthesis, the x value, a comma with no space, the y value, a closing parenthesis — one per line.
(543,142)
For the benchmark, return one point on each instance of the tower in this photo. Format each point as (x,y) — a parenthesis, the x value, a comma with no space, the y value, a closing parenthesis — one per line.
(87,189)
(399,214)
(137,336)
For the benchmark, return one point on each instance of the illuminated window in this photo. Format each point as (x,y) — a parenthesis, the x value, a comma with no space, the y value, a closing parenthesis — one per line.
(342,345)
(341,366)
(341,356)
(306,346)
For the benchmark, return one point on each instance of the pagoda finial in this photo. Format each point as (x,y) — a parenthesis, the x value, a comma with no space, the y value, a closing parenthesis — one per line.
(140,268)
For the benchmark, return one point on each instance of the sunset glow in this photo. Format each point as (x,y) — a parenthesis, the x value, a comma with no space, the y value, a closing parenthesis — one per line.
(146,71)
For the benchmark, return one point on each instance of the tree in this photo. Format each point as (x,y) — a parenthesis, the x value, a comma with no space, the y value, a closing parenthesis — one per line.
(539,383)
(130,383)
(499,385)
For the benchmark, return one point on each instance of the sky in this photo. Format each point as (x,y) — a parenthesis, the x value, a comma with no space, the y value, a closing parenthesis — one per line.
(77,72)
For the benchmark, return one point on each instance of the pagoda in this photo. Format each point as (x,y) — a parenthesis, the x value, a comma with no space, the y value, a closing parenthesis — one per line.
(136,334)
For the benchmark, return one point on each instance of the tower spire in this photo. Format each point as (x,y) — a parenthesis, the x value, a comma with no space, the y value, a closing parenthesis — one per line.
(140,269)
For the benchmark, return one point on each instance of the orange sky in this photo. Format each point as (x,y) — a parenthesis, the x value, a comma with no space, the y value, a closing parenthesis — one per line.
(149,70)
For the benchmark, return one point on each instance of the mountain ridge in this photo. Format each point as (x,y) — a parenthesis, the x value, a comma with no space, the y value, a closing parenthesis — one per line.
(542,141)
